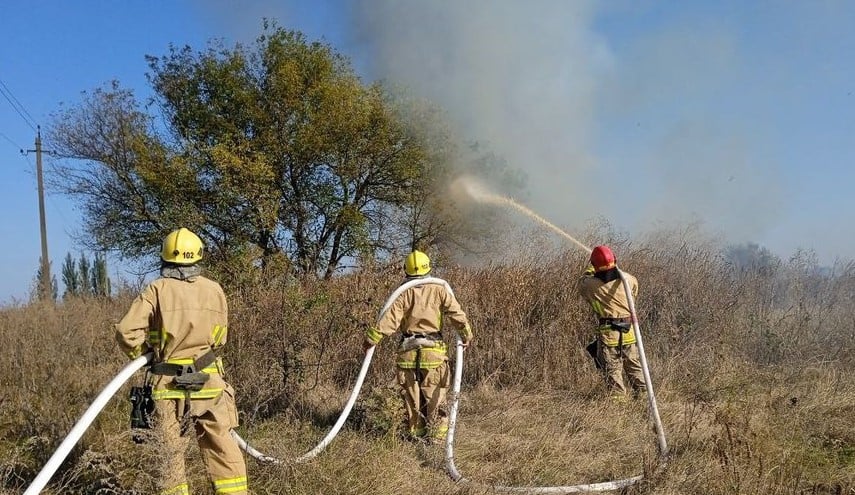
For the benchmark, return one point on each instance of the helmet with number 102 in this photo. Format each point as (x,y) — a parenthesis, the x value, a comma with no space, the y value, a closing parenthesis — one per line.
(182,247)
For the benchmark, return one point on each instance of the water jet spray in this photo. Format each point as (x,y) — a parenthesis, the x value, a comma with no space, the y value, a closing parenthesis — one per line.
(480,193)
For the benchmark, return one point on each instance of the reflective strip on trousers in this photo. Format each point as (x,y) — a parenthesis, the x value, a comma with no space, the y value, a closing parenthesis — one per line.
(205,393)
(423,365)
(231,485)
(373,335)
(210,369)
(605,330)
(182,489)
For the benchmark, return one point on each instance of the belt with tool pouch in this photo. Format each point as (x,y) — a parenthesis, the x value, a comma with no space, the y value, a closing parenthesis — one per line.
(421,351)
(189,376)
(622,325)
(410,341)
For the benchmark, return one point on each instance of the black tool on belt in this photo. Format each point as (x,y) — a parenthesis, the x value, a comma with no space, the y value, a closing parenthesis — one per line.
(591,348)
(142,408)
(187,376)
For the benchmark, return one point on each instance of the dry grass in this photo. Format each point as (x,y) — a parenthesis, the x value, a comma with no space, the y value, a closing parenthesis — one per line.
(753,375)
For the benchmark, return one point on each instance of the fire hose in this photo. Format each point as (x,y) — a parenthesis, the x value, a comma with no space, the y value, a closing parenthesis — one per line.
(83,423)
(582,488)
(124,375)
(59,455)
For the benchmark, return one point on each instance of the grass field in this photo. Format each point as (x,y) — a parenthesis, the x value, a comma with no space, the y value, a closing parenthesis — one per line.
(753,373)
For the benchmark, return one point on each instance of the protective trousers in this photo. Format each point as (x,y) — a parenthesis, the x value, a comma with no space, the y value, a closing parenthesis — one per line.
(424,392)
(616,362)
(211,420)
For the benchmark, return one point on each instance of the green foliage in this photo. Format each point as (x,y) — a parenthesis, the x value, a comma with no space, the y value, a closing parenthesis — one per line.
(70,276)
(85,278)
(38,290)
(101,285)
(380,412)
(276,149)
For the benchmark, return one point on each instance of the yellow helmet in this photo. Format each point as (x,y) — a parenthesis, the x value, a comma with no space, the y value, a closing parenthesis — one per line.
(417,264)
(182,247)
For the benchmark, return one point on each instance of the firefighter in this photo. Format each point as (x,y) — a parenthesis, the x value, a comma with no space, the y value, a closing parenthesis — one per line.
(182,318)
(422,357)
(617,351)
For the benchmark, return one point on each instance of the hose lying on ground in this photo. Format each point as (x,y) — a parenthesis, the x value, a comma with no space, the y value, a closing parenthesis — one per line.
(592,487)
(100,401)
(366,361)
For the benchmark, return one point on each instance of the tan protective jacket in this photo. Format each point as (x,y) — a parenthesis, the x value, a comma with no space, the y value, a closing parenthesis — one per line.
(420,312)
(609,301)
(179,320)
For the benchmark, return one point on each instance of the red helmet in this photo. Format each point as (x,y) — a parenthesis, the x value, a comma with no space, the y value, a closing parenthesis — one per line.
(602,258)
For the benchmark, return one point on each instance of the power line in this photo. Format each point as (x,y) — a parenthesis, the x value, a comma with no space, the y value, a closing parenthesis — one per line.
(17,106)
(7,138)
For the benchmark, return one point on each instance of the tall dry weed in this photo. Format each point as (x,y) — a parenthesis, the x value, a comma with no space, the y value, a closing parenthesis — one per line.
(752,372)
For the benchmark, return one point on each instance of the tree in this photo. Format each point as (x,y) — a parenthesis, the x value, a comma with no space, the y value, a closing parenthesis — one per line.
(101,285)
(277,154)
(84,275)
(37,286)
(752,258)
(85,278)
(70,277)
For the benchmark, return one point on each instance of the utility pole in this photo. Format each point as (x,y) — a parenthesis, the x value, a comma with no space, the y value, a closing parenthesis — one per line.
(45,288)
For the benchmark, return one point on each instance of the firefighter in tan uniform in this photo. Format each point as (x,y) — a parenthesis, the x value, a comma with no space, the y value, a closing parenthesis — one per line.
(601,286)
(422,357)
(182,317)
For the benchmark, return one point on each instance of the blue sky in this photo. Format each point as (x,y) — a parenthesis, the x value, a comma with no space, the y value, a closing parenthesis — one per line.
(738,115)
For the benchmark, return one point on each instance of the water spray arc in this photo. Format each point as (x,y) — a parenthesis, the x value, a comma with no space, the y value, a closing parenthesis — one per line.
(77,431)
(480,194)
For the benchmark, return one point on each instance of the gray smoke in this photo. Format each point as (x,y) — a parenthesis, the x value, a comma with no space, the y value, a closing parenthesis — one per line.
(518,77)
(623,134)
(667,119)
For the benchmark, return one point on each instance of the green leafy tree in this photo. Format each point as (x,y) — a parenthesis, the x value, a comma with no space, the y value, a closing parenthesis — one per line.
(277,155)
(37,285)
(85,278)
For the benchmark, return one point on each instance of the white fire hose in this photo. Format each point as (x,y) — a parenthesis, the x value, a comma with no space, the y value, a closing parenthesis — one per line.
(651,397)
(356,388)
(83,423)
(593,487)
(125,374)
(101,400)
